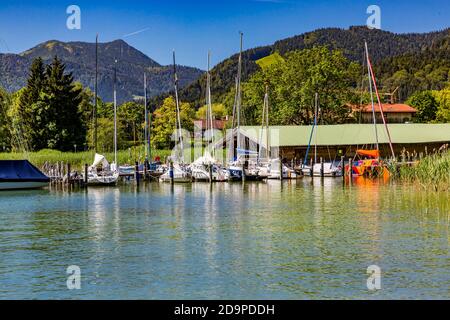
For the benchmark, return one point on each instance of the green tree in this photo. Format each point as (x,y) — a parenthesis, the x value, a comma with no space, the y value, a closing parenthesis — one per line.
(86,106)
(426,105)
(164,123)
(292,86)
(131,116)
(49,110)
(19,125)
(24,113)
(219,111)
(443,110)
(5,134)
(61,125)
(35,84)
(105,135)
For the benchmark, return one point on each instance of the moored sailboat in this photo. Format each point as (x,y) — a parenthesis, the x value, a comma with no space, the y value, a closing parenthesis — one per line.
(324,169)
(242,167)
(109,174)
(270,167)
(370,163)
(177,172)
(207,168)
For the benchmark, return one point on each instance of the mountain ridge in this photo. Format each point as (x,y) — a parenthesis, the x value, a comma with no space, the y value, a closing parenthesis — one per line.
(79,58)
(382,44)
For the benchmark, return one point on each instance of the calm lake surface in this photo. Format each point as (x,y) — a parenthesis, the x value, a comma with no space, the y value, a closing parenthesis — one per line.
(292,240)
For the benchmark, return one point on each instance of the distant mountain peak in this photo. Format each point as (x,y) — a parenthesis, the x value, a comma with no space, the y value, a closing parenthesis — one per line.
(79,58)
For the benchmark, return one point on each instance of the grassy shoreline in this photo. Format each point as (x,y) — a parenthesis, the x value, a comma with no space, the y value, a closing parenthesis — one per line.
(78,159)
(431,172)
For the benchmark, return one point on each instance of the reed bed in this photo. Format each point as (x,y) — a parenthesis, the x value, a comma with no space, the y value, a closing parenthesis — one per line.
(431,172)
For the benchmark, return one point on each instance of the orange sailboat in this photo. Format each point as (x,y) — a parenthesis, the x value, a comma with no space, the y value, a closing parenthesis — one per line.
(370,164)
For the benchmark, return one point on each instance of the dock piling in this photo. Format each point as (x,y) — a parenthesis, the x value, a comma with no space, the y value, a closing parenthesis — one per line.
(171,173)
(210,167)
(322,170)
(68,174)
(350,167)
(136,172)
(281,169)
(85,174)
(146,164)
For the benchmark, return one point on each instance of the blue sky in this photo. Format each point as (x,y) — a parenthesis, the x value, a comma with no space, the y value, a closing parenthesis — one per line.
(194,27)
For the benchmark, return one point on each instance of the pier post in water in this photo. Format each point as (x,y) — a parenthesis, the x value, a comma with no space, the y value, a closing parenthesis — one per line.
(136,172)
(322,171)
(350,167)
(171,173)
(85,174)
(68,174)
(210,168)
(146,165)
(281,169)
(343,167)
(311,170)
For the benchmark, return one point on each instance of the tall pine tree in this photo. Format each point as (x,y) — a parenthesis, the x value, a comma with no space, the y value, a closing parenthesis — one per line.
(28,115)
(49,108)
(60,102)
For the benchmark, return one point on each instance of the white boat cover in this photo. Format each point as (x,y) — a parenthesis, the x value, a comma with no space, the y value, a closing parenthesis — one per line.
(205,159)
(100,159)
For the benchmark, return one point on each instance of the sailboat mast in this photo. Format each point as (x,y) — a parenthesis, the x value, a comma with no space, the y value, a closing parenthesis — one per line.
(115,111)
(261,134)
(145,117)
(149,136)
(316,116)
(209,115)
(371,98)
(265,125)
(238,99)
(380,105)
(95,94)
(179,137)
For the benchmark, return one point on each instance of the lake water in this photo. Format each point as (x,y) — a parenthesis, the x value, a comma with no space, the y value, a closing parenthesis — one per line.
(293,240)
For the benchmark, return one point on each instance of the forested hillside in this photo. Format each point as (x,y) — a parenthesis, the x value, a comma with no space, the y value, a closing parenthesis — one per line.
(382,45)
(428,69)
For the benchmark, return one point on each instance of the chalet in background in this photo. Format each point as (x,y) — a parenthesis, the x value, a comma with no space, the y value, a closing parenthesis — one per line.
(394,113)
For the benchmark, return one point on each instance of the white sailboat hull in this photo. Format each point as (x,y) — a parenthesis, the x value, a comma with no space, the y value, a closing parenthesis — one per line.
(179,176)
(329,170)
(272,170)
(103,180)
(202,174)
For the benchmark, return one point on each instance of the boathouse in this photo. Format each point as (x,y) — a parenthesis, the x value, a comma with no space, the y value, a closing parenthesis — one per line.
(291,142)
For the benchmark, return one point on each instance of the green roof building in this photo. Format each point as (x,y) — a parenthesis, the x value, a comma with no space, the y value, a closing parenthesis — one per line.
(345,139)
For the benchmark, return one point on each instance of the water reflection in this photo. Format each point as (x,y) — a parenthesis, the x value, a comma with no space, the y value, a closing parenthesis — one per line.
(311,238)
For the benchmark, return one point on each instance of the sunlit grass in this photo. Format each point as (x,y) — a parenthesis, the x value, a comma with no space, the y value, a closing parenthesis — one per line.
(77,160)
(431,172)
